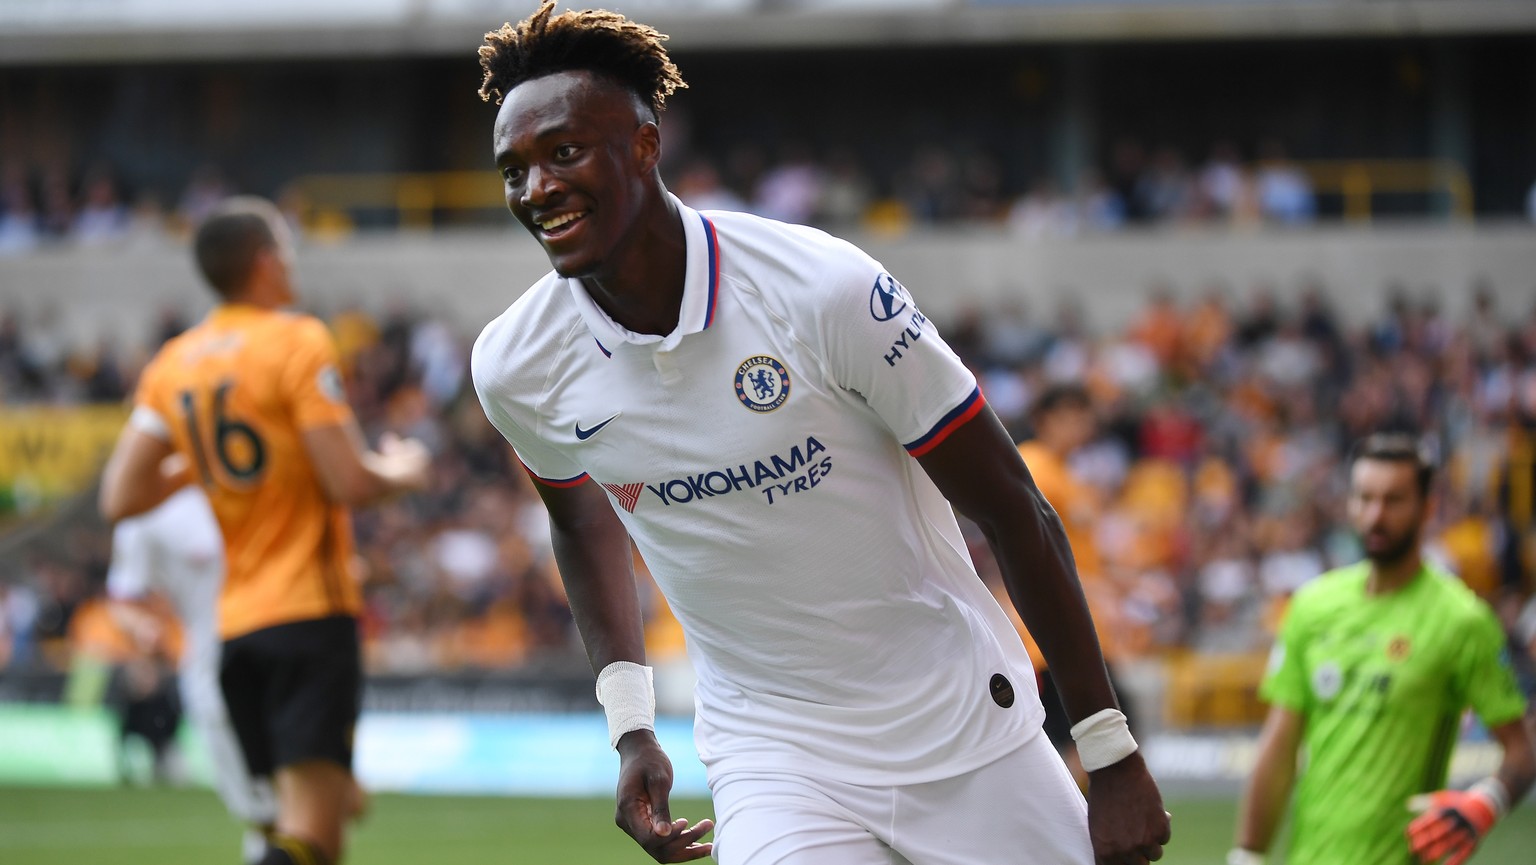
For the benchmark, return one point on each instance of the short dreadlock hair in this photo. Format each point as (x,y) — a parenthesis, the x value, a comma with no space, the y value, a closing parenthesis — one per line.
(594,40)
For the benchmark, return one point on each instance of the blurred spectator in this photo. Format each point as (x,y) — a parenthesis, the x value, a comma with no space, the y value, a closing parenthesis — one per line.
(1160,327)
(102,217)
(1043,213)
(1222,180)
(1230,613)
(930,185)
(845,192)
(58,205)
(699,187)
(1166,190)
(1483,327)
(1285,192)
(791,190)
(1127,163)
(1099,207)
(204,191)
(981,188)
(19,223)
(1008,338)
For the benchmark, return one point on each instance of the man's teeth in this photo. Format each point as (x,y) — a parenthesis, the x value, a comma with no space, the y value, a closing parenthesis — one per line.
(552,224)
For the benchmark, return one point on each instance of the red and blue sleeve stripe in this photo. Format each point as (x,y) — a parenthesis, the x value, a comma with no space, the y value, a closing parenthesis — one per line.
(561,483)
(956,418)
(714,269)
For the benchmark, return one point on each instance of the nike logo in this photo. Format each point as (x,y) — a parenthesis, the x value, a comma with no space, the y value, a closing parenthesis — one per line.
(585,434)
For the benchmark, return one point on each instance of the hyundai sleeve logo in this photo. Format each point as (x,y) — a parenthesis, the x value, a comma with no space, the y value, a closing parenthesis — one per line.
(888,298)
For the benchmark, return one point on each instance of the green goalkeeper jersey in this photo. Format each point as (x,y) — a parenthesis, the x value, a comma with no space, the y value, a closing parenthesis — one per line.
(1381,682)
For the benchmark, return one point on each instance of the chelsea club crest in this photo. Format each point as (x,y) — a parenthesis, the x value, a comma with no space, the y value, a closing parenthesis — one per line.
(762,383)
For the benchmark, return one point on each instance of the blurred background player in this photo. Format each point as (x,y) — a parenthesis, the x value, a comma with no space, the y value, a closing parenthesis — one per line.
(176,550)
(252,400)
(1372,669)
(1063,421)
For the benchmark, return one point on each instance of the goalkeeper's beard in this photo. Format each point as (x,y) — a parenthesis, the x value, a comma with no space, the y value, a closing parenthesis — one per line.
(1396,552)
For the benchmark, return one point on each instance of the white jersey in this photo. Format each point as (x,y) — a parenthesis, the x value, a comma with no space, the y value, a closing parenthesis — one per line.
(761,458)
(178,550)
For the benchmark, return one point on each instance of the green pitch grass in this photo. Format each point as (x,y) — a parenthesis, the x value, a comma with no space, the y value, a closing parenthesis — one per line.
(50,826)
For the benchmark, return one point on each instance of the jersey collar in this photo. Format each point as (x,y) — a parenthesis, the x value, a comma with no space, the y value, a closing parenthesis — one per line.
(701,290)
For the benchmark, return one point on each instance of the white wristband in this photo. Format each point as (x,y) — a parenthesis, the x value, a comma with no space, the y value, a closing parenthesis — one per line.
(1239,856)
(628,694)
(1103,739)
(1493,790)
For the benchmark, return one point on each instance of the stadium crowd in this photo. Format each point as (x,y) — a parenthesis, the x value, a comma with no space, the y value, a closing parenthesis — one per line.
(1214,475)
(43,206)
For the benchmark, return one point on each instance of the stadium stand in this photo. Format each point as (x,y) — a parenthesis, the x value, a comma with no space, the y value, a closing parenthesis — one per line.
(1251,246)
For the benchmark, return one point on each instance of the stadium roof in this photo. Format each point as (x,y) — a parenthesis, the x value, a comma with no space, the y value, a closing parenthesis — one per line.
(95,31)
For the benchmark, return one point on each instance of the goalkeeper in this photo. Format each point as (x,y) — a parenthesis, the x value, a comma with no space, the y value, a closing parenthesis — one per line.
(1372,670)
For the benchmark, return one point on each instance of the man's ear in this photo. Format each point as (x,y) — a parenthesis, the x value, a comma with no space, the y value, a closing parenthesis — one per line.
(646,146)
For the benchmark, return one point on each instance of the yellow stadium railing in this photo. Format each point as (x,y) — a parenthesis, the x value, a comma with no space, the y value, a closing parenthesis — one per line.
(329,200)
(415,197)
(1359,181)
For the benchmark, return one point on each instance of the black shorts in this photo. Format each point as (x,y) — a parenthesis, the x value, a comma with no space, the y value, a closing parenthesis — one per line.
(294,692)
(1057,725)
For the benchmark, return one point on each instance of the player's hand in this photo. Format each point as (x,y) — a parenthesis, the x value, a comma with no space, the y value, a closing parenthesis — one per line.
(1451,823)
(409,460)
(1126,820)
(645,783)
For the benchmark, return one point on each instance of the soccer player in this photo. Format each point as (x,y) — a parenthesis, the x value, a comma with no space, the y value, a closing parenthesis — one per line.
(1373,667)
(252,400)
(176,550)
(764,410)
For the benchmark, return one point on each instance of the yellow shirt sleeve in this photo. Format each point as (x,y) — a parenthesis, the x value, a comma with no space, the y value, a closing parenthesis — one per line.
(312,381)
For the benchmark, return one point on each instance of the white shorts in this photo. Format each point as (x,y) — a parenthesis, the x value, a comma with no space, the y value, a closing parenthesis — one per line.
(1022,808)
(251,800)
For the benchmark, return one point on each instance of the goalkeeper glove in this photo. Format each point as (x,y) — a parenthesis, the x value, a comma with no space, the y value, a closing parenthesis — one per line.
(1451,823)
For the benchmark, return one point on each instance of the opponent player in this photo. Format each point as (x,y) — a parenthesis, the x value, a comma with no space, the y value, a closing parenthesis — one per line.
(768,415)
(1373,667)
(252,400)
(176,550)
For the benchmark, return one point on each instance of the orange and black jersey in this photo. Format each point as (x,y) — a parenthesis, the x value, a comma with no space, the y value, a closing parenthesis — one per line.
(234,395)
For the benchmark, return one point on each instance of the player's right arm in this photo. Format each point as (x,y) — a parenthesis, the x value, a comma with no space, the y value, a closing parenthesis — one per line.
(1269,787)
(1286,689)
(592,550)
(140,474)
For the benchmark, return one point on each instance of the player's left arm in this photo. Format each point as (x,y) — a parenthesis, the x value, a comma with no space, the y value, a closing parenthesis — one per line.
(1451,823)
(1517,771)
(980,471)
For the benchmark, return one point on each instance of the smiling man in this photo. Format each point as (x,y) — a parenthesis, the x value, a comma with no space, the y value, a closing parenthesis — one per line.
(1371,672)
(764,410)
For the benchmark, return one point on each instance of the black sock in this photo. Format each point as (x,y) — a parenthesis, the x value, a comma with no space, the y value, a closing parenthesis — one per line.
(287,850)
